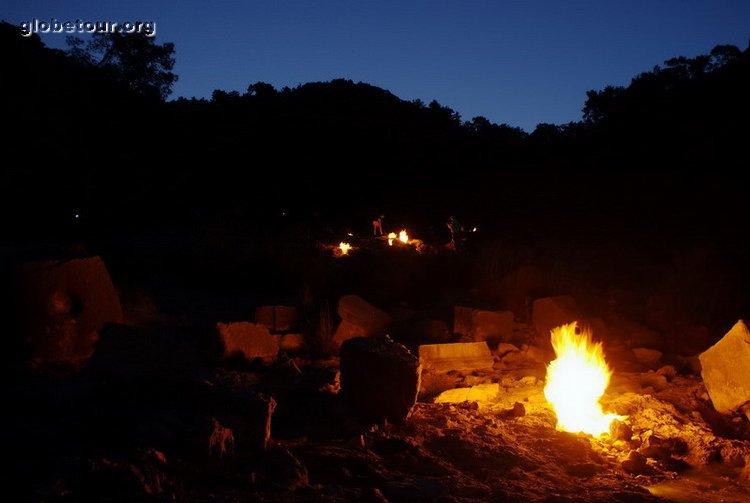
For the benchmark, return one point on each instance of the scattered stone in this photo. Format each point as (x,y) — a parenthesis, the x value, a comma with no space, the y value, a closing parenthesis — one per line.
(518,410)
(653,380)
(249,340)
(479,393)
(379,377)
(648,357)
(277,318)
(466,356)
(504,348)
(668,371)
(620,430)
(359,319)
(726,369)
(635,464)
(61,306)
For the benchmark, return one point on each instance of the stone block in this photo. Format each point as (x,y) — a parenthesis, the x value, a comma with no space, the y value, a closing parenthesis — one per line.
(462,356)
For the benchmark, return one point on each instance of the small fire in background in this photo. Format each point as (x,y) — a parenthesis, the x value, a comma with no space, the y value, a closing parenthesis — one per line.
(391,237)
(576,380)
(344,248)
(403,237)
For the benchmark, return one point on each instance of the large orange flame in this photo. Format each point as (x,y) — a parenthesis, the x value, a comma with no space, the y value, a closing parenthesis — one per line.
(391,237)
(576,380)
(403,237)
(344,248)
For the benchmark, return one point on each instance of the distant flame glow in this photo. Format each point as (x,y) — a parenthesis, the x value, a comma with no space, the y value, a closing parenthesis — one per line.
(403,237)
(344,247)
(576,380)
(391,237)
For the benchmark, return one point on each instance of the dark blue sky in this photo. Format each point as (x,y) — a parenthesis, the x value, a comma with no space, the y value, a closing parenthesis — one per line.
(519,62)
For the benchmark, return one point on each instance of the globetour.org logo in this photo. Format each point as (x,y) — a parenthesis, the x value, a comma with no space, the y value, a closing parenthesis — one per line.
(145,28)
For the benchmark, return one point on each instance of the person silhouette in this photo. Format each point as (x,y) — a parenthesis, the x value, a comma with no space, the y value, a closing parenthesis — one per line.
(377,226)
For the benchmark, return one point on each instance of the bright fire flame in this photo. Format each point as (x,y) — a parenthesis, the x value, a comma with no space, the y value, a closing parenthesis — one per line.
(344,247)
(576,380)
(403,237)
(391,237)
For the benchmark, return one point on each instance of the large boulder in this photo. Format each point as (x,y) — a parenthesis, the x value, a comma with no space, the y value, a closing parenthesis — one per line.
(359,319)
(61,305)
(248,340)
(379,377)
(726,370)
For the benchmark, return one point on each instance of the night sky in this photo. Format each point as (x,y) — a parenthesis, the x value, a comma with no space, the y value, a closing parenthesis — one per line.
(514,62)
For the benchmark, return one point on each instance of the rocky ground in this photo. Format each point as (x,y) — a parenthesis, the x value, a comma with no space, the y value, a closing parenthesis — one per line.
(91,435)
(173,406)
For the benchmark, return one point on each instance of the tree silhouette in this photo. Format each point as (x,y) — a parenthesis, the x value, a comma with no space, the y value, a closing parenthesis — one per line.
(136,61)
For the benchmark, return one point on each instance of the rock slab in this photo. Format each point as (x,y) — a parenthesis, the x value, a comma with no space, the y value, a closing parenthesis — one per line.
(465,356)
(726,370)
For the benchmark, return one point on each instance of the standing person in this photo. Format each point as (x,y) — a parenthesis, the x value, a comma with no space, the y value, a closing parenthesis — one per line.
(454,226)
(377,226)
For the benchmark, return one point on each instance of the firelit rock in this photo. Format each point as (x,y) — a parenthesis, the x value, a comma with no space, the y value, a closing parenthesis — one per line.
(277,318)
(379,377)
(726,370)
(359,319)
(465,356)
(480,393)
(249,340)
(62,305)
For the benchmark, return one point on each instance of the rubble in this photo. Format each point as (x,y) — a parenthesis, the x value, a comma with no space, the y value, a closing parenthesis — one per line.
(359,319)
(379,377)
(726,370)
(248,340)
(61,305)
(455,356)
